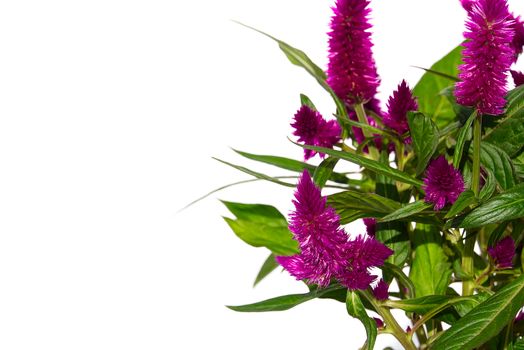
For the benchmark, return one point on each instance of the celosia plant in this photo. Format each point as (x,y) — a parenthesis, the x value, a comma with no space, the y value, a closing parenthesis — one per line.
(439,189)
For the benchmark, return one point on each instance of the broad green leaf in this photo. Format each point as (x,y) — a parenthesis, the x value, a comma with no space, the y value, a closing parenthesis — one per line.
(356,309)
(256,174)
(509,132)
(367,163)
(262,226)
(406,211)
(269,265)
(324,171)
(284,302)
(352,205)
(499,163)
(465,199)
(290,164)
(430,101)
(461,139)
(306,101)
(431,270)
(425,137)
(506,206)
(484,321)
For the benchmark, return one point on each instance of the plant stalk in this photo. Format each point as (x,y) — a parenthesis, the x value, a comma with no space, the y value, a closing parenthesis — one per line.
(475,179)
(361,115)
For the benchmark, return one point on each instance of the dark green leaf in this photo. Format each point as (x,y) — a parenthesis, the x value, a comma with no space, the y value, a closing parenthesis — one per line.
(499,163)
(324,171)
(407,211)
(465,199)
(425,137)
(351,205)
(404,280)
(430,101)
(484,321)
(509,133)
(356,309)
(461,139)
(305,101)
(367,163)
(506,206)
(282,303)
(431,271)
(269,265)
(489,187)
(262,226)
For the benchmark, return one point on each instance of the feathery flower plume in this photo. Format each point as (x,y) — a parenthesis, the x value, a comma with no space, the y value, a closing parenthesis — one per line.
(326,251)
(312,129)
(351,69)
(381,290)
(467,4)
(442,183)
(399,104)
(503,252)
(518,77)
(371,226)
(487,55)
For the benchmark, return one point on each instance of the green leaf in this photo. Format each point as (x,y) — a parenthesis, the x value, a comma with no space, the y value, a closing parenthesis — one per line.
(499,163)
(352,205)
(509,132)
(269,265)
(489,186)
(430,101)
(290,164)
(407,211)
(484,321)
(306,101)
(367,163)
(506,206)
(324,170)
(284,302)
(465,199)
(256,174)
(404,280)
(461,139)
(262,226)
(431,271)
(425,137)
(419,305)
(356,309)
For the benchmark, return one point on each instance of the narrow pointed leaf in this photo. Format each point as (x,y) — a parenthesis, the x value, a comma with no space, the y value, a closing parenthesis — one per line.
(324,171)
(351,205)
(256,174)
(407,210)
(465,199)
(461,139)
(269,266)
(356,309)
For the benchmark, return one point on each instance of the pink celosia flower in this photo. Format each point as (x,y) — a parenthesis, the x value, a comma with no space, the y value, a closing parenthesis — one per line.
(326,252)
(442,183)
(381,290)
(371,226)
(399,104)
(351,69)
(518,78)
(487,55)
(503,252)
(312,129)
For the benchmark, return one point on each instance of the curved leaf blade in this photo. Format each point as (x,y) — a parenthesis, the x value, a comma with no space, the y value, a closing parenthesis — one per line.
(425,136)
(356,309)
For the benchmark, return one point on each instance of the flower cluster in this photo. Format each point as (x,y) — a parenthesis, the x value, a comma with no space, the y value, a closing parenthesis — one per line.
(326,252)
(442,183)
(503,252)
(399,104)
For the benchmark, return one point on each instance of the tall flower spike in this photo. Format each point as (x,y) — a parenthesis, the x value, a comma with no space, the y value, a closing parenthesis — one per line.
(503,252)
(351,72)
(487,56)
(312,129)
(442,183)
(518,78)
(371,226)
(399,104)
(323,243)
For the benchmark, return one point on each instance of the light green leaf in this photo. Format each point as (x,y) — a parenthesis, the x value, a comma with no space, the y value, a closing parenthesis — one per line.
(425,137)
(306,101)
(461,139)
(406,211)
(356,309)
(485,321)
(269,265)
(262,226)
(324,171)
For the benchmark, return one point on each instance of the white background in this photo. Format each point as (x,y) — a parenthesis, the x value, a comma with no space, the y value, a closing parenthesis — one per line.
(110,112)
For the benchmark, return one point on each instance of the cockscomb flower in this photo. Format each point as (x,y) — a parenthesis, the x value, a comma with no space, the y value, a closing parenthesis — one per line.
(371,226)
(312,129)
(381,290)
(503,252)
(399,104)
(351,72)
(487,56)
(518,78)
(442,183)
(326,252)
(323,243)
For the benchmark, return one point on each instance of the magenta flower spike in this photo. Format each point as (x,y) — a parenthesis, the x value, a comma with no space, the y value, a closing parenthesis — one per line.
(371,226)
(503,252)
(488,55)
(399,104)
(518,78)
(518,38)
(381,290)
(442,183)
(312,129)
(351,72)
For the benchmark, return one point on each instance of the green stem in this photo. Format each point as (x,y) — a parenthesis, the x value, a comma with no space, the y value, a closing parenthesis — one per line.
(391,324)
(467,266)
(361,115)
(475,177)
